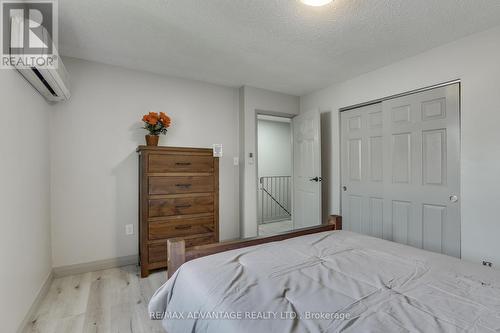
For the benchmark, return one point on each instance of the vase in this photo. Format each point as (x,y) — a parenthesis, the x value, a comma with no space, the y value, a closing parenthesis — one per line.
(152,140)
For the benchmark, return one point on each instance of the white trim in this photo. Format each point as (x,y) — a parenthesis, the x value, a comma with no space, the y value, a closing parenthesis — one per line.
(274,118)
(93,266)
(44,290)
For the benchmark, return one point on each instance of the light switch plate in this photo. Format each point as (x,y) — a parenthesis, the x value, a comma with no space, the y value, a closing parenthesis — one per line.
(217,148)
(251,159)
(236,161)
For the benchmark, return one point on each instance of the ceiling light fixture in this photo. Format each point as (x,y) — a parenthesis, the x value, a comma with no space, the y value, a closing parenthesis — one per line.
(316,3)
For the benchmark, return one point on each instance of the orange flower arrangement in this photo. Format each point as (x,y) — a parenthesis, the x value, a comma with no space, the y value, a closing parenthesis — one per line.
(156,123)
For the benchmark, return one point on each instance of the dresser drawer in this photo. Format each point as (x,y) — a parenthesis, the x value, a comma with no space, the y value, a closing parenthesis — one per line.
(159,163)
(158,252)
(180,227)
(179,185)
(181,206)
(201,240)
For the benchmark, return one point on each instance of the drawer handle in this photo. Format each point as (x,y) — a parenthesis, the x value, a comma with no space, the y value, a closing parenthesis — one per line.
(183,227)
(182,206)
(183,163)
(183,185)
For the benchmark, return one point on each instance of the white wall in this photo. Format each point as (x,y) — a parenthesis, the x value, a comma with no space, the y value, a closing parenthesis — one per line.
(474,60)
(25,251)
(94,164)
(274,154)
(255,101)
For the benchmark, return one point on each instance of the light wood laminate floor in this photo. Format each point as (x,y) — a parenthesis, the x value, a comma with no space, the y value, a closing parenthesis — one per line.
(113,300)
(274,228)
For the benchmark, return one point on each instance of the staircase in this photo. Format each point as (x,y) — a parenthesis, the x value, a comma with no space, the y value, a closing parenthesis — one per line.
(275,199)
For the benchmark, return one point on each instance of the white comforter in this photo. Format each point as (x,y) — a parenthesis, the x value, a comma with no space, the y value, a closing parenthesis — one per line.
(329,282)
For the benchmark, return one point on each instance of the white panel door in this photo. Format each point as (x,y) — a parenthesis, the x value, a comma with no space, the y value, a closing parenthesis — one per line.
(362,170)
(306,170)
(419,166)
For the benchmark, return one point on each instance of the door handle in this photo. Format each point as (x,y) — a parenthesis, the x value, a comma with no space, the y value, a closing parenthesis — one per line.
(453,198)
(316,179)
(344,188)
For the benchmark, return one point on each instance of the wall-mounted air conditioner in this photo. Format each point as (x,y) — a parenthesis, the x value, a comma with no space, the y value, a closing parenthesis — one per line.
(50,81)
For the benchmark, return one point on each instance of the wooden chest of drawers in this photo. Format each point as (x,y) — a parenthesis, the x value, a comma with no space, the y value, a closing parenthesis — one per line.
(178,196)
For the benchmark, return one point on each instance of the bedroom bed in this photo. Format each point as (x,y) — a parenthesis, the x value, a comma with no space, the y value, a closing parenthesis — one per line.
(324,281)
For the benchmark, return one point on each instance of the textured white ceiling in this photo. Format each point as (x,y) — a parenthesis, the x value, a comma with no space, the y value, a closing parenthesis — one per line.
(280,45)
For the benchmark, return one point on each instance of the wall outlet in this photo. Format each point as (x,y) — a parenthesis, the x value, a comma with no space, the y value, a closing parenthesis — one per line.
(487,264)
(129,229)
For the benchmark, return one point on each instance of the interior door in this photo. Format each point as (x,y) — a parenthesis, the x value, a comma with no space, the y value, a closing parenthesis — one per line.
(306,170)
(415,160)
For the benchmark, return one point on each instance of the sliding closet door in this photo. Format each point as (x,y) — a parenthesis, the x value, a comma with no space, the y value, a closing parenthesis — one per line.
(362,170)
(419,196)
(423,173)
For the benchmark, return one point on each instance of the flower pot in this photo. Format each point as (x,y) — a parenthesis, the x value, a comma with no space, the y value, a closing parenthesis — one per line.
(152,140)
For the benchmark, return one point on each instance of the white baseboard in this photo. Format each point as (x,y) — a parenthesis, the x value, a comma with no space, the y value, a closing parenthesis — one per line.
(95,266)
(36,303)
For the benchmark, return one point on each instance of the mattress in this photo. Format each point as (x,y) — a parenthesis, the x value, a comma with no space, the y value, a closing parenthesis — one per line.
(335,281)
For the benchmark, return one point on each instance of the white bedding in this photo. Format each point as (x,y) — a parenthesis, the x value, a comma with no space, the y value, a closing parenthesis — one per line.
(329,282)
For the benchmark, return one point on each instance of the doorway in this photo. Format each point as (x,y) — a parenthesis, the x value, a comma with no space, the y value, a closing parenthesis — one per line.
(274,173)
(288,172)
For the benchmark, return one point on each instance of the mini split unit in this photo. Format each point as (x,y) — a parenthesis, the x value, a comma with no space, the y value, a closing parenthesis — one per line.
(48,74)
